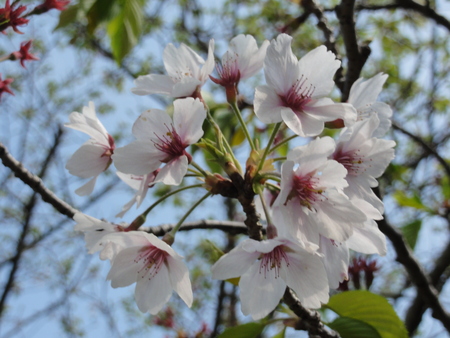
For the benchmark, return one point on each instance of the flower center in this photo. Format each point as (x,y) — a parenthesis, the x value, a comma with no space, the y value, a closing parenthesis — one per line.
(151,259)
(298,95)
(304,188)
(229,70)
(351,160)
(272,261)
(171,144)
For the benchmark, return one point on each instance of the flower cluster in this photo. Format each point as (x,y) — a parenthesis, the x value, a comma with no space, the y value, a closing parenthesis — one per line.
(318,203)
(14,16)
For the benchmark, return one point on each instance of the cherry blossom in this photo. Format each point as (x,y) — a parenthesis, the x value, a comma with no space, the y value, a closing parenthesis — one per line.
(4,86)
(242,60)
(153,265)
(23,53)
(163,140)
(311,201)
(140,183)
(296,89)
(10,16)
(363,96)
(185,76)
(365,157)
(47,5)
(94,156)
(95,231)
(267,267)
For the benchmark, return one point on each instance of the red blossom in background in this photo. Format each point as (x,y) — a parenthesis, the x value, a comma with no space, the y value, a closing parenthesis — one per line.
(10,16)
(60,5)
(4,86)
(23,53)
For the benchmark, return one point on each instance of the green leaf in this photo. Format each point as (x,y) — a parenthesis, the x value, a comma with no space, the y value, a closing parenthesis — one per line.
(411,232)
(238,137)
(369,308)
(100,11)
(125,28)
(249,330)
(352,328)
(413,201)
(280,334)
(67,17)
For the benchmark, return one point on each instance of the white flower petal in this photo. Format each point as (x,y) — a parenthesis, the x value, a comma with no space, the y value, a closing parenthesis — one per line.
(88,123)
(318,67)
(188,118)
(368,240)
(268,105)
(336,259)
(88,161)
(173,172)
(302,123)
(124,270)
(260,292)
(152,294)
(138,158)
(306,275)
(365,92)
(87,188)
(153,84)
(280,65)
(233,264)
(179,278)
(151,123)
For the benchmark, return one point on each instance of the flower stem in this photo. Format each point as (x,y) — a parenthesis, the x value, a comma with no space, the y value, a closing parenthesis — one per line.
(269,144)
(194,164)
(283,142)
(180,222)
(237,112)
(145,213)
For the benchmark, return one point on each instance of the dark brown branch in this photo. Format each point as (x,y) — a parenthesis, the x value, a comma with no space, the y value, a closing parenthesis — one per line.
(417,275)
(230,227)
(425,10)
(330,42)
(309,319)
(428,148)
(356,55)
(35,183)
(418,306)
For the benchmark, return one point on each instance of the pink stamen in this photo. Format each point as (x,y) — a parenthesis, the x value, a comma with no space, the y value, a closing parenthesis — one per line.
(171,144)
(351,160)
(152,260)
(304,188)
(298,95)
(272,261)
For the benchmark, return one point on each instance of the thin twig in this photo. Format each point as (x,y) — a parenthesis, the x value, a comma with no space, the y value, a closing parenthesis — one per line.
(35,183)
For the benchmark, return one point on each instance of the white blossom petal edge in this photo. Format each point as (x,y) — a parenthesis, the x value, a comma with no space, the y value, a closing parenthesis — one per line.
(185,76)
(154,266)
(94,156)
(267,267)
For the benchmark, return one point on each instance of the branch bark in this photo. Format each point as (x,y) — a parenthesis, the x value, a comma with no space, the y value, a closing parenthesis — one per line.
(356,55)
(417,275)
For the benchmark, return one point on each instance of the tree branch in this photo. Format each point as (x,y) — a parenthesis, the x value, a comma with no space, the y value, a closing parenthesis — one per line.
(309,319)
(35,183)
(425,10)
(428,148)
(418,306)
(356,55)
(231,227)
(424,286)
(311,6)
